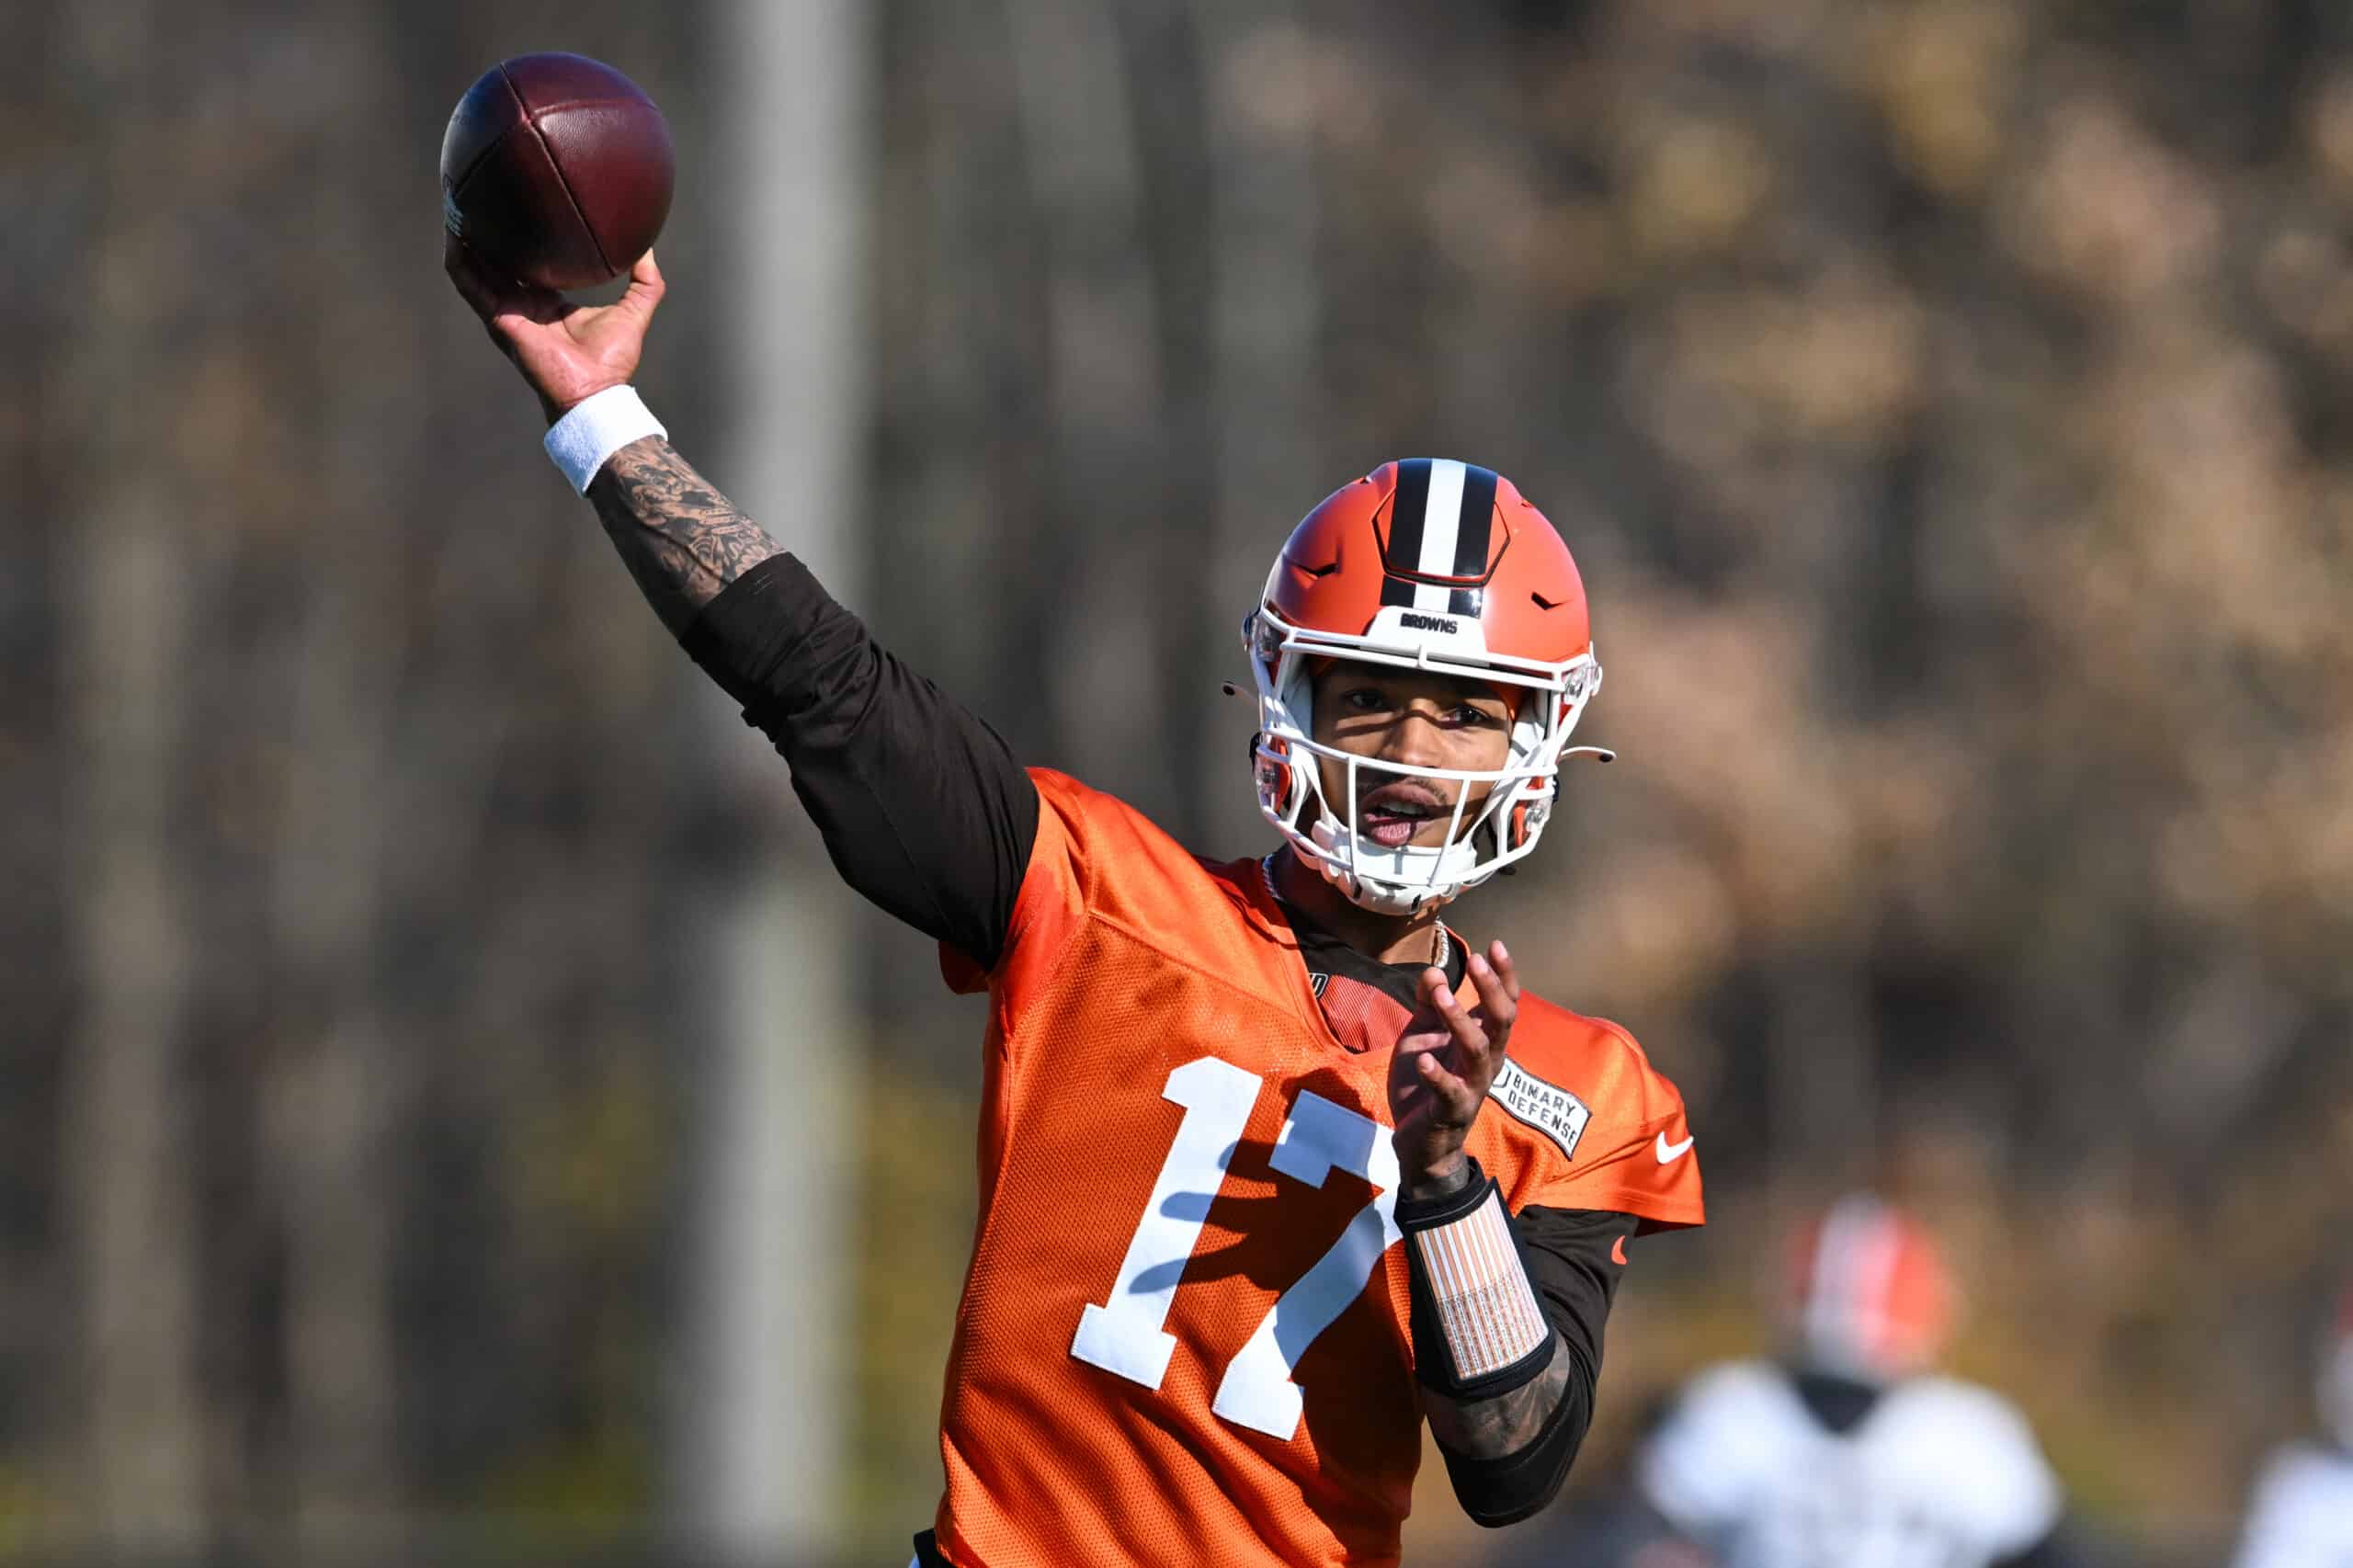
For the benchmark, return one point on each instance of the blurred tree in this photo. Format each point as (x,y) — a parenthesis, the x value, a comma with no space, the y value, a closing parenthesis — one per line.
(125,574)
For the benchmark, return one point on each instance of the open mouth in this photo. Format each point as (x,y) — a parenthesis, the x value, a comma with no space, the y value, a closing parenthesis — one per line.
(1392,815)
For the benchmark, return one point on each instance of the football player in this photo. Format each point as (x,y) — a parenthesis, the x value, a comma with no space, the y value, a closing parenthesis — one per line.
(2303,1515)
(1849,1453)
(1274,1164)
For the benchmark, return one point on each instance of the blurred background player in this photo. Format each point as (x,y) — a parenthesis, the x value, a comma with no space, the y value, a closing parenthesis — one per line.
(1247,1217)
(2303,1513)
(1851,1452)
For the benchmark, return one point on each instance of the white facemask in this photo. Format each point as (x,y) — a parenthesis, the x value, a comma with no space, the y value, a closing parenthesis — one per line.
(1410,879)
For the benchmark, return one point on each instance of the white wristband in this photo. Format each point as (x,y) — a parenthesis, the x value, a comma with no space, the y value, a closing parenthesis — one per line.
(595,427)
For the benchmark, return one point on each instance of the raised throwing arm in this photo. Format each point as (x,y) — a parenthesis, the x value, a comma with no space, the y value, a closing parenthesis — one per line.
(681,540)
(923,807)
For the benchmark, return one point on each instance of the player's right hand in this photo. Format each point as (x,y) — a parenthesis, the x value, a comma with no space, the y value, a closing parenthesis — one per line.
(566,351)
(1443,1066)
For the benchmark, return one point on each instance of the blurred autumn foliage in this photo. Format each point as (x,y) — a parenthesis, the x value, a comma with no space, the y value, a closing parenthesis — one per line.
(1944,399)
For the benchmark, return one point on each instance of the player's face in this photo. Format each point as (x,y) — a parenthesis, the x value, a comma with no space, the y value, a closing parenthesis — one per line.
(1414,717)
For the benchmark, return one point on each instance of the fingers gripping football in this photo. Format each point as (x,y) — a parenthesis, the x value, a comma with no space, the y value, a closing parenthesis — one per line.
(566,351)
(1444,1062)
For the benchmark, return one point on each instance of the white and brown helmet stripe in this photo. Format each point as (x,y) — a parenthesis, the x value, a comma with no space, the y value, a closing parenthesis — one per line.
(1442,527)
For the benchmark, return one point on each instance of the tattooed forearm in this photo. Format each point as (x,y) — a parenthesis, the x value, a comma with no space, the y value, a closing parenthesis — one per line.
(1491,1428)
(679,537)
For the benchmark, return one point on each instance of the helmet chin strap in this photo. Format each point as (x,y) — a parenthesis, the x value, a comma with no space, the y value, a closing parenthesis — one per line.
(1380,898)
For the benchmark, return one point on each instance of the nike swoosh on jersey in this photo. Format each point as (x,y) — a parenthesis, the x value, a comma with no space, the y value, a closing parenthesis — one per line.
(1670,1153)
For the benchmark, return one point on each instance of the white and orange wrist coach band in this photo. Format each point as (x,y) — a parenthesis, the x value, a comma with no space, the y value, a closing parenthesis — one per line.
(595,427)
(1467,1277)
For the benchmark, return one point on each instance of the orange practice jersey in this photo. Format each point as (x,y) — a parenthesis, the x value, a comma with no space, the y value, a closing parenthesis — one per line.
(1184,1337)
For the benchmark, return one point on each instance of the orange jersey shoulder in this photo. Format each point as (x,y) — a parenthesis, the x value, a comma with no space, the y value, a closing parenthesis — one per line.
(1580,1120)
(1097,857)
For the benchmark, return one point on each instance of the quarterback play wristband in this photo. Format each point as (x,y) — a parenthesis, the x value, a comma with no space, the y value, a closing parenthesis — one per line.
(594,429)
(1478,1330)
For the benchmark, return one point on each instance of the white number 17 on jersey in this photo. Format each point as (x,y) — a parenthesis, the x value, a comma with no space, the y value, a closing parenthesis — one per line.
(1125,1335)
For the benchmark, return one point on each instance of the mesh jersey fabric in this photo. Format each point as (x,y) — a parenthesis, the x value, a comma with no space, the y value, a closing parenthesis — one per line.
(1132,974)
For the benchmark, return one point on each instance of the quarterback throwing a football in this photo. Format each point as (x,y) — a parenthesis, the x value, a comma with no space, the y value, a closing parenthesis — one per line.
(1273,1166)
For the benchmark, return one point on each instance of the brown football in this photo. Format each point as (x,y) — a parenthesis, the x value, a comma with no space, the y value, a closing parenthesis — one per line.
(557,169)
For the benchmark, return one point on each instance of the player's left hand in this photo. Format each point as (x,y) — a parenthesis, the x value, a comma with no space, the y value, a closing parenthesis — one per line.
(1444,1061)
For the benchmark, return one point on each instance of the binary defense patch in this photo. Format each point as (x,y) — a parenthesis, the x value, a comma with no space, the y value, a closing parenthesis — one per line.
(1549,1108)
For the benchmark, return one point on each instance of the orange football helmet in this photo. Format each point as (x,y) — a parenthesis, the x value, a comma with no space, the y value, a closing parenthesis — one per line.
(1426,565)
(1870,1298)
